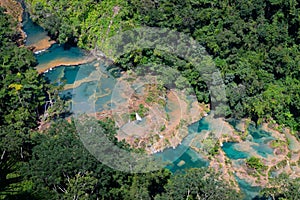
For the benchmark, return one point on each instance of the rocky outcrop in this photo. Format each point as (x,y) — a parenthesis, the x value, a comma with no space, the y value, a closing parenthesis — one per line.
(14,8)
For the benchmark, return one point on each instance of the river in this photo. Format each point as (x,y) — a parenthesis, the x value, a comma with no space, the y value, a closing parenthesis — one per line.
(79,89)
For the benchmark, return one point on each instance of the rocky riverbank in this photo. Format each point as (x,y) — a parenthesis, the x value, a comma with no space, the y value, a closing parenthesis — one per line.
(63,62)
(14,8)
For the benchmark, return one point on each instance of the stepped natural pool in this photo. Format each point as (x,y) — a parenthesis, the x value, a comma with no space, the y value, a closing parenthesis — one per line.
(232,153)
(179,158)
(250,191)
(34,32)
(259,144)
(82,82)
(57,54)
(183,156)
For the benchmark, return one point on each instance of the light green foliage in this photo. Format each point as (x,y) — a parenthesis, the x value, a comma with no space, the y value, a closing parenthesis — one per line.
(277,143)
(88,22)
(197,184)
(255,163)
(253,43)
(80,187)
(283,187)
(22,94)
(142,111)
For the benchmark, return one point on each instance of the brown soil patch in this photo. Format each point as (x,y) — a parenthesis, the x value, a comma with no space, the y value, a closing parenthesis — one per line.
(42,44)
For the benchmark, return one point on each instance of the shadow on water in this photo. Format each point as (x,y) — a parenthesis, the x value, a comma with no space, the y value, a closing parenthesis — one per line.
(250,192)
(58,54)
(256,135)
(34,32)
(69,74)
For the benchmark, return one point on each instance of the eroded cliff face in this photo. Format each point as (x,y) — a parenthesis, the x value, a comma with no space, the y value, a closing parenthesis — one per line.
(15,9)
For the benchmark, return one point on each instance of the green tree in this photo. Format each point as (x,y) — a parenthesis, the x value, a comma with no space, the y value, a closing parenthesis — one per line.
(61,167)
(198,184)
(22,94)
(282,187)
(255,45)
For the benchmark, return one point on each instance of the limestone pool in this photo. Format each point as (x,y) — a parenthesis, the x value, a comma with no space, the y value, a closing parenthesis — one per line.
(80,87)
(34,32)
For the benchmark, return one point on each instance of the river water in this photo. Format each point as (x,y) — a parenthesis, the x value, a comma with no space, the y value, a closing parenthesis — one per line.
(182,157)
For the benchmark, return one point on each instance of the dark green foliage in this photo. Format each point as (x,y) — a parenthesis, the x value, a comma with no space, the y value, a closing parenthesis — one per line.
(198,184)
(22,93)
(215,150)
(60,159)
(61,167)
(254,43)
(87,22)
(110,132)
(282,187)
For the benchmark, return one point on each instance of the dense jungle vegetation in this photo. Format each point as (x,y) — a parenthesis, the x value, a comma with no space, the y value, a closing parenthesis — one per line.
(54,164)
(255,44)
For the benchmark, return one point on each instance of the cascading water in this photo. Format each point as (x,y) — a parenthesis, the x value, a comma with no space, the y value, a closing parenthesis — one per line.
(182,156)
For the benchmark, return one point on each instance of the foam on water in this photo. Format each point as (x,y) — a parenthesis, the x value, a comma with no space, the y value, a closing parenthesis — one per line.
(54,75)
